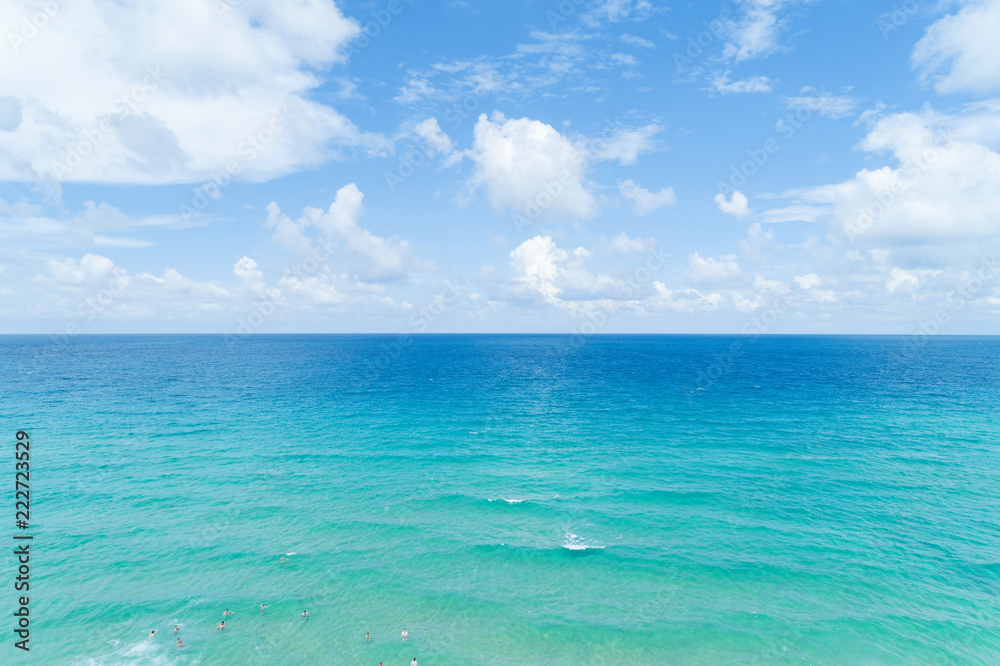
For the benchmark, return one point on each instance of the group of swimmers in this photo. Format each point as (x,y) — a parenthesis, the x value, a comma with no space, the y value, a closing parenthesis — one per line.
(304,614)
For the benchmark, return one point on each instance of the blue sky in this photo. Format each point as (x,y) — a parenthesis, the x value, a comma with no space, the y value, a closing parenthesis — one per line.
(772,166)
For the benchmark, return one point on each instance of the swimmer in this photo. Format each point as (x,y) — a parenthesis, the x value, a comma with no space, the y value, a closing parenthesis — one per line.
(305,614)
(368,636)
(404,635)
(414,662)
(222,625)
(228,612)
(179,643)
(152,633)
(176,628)
(282,558)
(263,608)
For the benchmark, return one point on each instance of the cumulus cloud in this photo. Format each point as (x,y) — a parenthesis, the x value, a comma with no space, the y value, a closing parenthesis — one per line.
(737,204)
(89,269)
(437,141)
(530,168)
(371,258)
(960,51)
(710,270)
(898,278)
(685,300)
(176,91)
(644,201)
(807,281)
(944,187)
(560,277)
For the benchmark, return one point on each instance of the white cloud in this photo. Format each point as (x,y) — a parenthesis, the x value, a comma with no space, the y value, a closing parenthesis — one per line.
(755,246)
(755,33)
(752,84)
(90,268)
(960,52)
(613,11)
(538,264)
(635,40)
(899,278)
(416,89)
(684,300)
(622,243)
(529,167)
(560,277)
(625,145)
(174,92)
(437,141)
(737,205)
(371,258)
(796,212)
(807,281)
(831,106)
(710,270)
(644,201)
(945,186)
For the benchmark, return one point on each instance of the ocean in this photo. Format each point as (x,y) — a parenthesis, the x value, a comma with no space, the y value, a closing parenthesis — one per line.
(507,499)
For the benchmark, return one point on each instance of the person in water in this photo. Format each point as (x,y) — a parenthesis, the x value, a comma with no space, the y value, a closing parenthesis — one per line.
(404,635)
(152,633)
(179,643)
(263,608)
(368,636)
(305,614)
(222,625)
(228,612)
(414,662)
(176,628)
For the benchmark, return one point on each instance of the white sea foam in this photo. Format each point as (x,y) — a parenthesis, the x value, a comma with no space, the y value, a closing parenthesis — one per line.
(142,652)
(574,542)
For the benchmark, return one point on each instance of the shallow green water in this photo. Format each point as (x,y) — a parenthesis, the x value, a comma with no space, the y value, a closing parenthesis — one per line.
(510,499)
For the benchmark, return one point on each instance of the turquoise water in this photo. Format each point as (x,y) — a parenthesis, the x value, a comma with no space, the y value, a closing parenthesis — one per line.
(509,499)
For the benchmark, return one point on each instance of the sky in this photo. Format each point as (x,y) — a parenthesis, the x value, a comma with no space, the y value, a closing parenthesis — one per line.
(573,166)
